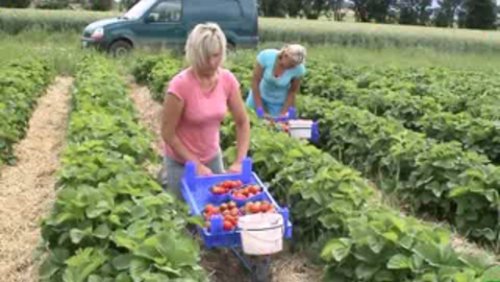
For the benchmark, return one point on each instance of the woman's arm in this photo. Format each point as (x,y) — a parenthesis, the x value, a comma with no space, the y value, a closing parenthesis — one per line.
(172,110)
(256,78)
(240,116)
(290,99)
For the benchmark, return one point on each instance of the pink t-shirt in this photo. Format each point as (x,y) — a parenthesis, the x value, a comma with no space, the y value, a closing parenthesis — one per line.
(199,126)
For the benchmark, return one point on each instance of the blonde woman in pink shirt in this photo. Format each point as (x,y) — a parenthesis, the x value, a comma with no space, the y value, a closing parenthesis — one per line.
(196,102)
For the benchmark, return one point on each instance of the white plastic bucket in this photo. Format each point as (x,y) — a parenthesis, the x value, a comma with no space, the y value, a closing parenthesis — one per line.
(261,233)
(300,128)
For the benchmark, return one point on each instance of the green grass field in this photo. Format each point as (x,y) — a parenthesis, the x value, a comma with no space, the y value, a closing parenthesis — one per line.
(378,35)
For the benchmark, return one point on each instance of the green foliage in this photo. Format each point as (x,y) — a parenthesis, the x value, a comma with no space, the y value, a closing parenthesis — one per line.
(480,14)
(52,4)
(415,12)
(15,3)
(444,105)
(163,72)
(21,83)
(337,216)
(143,66)
(99,5)
(111,221)
(440,179)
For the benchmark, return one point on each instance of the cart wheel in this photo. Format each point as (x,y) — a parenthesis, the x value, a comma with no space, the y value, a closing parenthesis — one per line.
(261,270)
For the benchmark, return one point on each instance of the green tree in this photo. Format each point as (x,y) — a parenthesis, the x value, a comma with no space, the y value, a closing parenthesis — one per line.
(15,3)
(480,14)
(445,14)
(99,5)
(294,8)
(414,12)
(52,4)
(313,8)
(273,8)
(372,10)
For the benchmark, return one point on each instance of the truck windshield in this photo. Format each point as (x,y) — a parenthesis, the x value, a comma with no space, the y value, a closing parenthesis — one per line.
(139,9)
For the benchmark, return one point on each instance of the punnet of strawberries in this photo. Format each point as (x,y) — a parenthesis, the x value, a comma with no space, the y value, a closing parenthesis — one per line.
(225,186)
(231,213)
(246,192)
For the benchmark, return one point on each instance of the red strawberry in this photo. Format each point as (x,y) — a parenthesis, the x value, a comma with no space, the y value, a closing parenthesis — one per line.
(228,225)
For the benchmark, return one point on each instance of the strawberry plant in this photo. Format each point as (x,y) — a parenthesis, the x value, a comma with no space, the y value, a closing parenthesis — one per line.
(476,134)
(21,84)
(241,64)
(161,74)
(143,66)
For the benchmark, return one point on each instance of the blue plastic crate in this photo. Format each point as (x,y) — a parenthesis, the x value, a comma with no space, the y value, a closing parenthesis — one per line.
(196,192)
(292,114)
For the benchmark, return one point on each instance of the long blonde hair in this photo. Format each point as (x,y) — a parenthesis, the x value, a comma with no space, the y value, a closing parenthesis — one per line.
(203,41)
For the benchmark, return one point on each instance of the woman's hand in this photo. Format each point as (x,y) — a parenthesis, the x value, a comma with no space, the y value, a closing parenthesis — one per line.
(235,168)
(201,169)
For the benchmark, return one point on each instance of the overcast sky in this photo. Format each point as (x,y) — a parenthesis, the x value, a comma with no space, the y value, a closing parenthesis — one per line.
(434,2)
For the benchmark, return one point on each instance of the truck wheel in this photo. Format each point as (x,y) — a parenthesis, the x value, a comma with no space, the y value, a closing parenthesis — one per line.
(120,48)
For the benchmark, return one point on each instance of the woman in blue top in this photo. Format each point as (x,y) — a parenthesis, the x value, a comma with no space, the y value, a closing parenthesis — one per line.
(276,79)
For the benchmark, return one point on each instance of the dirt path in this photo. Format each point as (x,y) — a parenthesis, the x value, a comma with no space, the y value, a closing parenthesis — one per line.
(27,189)
(149,111)
(223,266)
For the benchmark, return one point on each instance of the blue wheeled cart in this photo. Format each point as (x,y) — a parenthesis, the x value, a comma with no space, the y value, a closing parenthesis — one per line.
(196,191)
(292,116)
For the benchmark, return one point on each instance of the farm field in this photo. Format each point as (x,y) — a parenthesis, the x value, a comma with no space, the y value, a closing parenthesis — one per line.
(403,184)
(376,36)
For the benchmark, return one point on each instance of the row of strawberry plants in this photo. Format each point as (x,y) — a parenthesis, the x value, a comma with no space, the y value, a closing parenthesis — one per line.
(416,112)
(110,220)
(21,84)
(425,100)
(336,214)
(440,179)
(156,71)
(474,92)
(454,90)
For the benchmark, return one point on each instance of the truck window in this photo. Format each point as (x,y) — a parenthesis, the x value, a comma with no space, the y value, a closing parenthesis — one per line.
(166,11)
(226,10)
(231,8)
(139,9)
